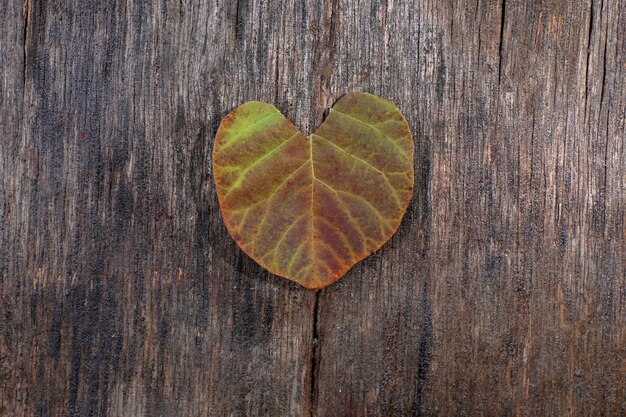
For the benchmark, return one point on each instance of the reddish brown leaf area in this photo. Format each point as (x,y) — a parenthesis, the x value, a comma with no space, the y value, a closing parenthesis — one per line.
(310,208)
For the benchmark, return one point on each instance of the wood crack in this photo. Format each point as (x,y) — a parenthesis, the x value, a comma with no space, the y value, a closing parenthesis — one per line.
(314,355)
(237,33)
(503,15)
(590,31)
(24,42)
(606,41)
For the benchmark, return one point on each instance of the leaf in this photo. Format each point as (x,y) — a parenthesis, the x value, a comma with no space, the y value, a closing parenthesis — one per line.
(308,208)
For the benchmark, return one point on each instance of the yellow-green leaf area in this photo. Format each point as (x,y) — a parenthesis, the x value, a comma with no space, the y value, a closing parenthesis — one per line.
(308,208)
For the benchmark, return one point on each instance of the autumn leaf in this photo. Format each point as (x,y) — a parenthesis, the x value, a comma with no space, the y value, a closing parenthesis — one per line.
(308,208)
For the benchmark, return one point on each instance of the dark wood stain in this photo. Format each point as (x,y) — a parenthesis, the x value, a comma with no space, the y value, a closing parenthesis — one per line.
(502,293)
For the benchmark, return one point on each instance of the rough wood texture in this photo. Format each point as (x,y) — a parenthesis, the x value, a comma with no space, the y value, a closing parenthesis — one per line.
(503,293)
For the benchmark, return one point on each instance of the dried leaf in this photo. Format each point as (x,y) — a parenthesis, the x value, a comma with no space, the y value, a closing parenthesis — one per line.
(308,208)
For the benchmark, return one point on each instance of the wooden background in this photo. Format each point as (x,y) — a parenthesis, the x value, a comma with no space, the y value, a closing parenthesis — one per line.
(503,292)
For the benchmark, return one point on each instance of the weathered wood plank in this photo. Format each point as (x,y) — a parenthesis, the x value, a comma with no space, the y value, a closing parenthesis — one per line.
(502,292)
(125,294)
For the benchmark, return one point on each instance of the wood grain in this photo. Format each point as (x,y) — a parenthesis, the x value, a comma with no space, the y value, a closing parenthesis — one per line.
(503,292)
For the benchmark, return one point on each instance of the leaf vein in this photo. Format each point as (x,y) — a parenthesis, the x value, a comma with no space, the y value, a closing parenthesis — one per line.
(393,190)
(241,176)
(383,220)
(343,234)
(269,202)
(293,258)
(373,127)
(357,226)
(238,137)
(280,241)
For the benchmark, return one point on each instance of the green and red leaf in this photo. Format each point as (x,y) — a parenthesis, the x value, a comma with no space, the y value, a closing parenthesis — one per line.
(308,208)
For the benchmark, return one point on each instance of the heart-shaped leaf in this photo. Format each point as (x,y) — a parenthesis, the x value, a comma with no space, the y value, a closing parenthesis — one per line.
(308,208)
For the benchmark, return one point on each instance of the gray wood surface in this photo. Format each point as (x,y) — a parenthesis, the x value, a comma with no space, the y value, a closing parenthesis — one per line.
(503,292)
